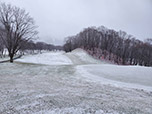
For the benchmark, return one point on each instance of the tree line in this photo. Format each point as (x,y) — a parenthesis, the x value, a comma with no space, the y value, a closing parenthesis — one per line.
(31,47)
(38,47)
(116,46)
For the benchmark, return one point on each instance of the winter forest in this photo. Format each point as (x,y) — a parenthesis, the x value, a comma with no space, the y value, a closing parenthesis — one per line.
(119,47)
(75,57)
(100,42)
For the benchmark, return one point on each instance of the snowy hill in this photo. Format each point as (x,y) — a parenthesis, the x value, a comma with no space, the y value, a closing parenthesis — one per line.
(48,58)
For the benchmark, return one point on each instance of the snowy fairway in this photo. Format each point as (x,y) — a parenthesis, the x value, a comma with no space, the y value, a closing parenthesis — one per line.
(60,83)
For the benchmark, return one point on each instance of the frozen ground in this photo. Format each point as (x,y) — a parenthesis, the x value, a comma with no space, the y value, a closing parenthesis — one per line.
(51,58)
(121,76)
(73,83)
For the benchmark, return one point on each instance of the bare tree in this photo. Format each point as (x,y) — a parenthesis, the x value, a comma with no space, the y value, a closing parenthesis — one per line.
(18,28)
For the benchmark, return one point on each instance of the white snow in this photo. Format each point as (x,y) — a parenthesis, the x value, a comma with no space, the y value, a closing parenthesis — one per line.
(80,57)
(62,83)
(121,76)
(49,58)
(74,110)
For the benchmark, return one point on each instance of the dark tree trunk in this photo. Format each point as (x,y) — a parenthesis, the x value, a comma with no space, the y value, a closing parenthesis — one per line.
(124,61)
(130,61)
(11,58)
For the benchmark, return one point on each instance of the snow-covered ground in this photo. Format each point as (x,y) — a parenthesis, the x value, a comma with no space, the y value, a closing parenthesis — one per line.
(121,76)
(48,58)
(73,83)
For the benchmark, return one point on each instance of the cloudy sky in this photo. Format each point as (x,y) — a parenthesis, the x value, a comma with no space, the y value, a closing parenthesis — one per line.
(58,19)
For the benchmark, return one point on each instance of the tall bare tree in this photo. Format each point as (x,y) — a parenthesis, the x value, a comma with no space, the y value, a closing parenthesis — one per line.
(18,27)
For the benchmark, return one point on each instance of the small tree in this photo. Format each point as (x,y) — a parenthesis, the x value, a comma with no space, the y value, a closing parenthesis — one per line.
(18,27)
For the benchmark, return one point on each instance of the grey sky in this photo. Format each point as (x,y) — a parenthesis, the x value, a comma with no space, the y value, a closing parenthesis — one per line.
(58,19)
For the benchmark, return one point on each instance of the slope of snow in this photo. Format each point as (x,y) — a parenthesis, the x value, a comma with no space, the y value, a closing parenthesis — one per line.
(49,58)
(79,56)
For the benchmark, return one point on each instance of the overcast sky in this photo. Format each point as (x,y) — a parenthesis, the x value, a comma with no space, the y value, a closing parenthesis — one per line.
(58,19)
